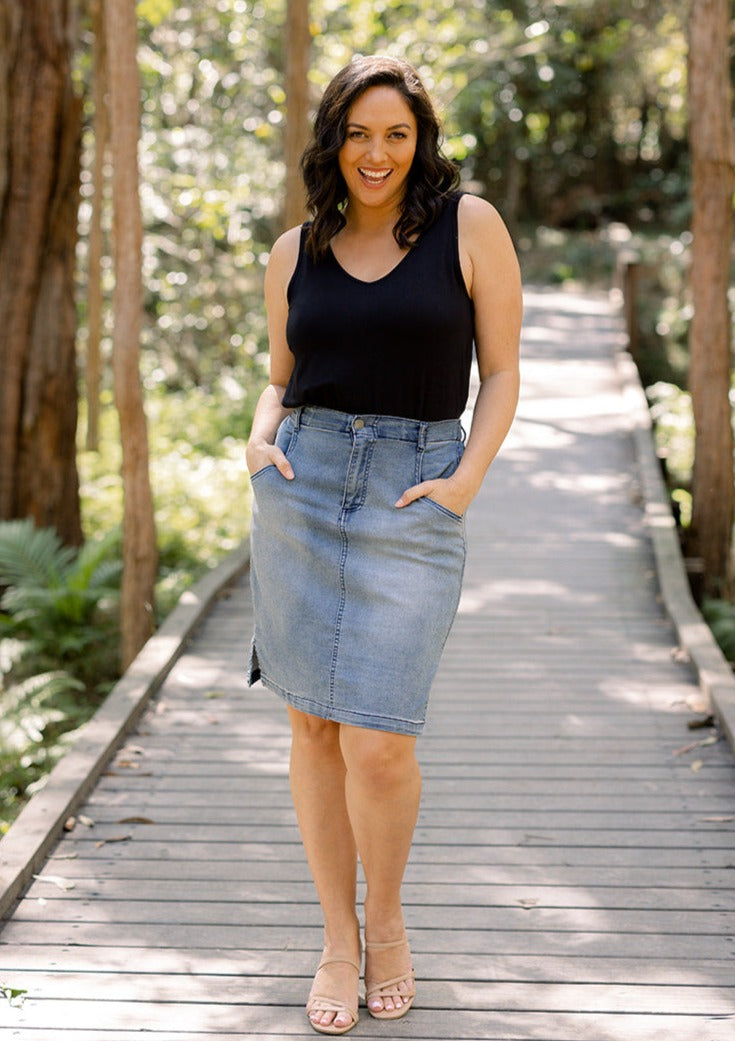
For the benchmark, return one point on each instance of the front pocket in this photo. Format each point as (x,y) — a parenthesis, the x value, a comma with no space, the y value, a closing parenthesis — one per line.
(285,440)
(262,470)
(456,517)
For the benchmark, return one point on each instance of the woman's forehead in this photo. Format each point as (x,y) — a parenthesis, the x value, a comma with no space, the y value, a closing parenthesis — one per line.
(381,105)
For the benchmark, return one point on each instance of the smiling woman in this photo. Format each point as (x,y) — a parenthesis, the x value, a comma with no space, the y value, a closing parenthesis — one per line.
(376,149)
(361,480)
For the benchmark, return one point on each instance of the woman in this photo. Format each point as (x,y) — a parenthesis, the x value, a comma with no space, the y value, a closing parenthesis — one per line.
(361,482)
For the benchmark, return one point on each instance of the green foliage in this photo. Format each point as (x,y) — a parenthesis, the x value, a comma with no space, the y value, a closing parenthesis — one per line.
(37,716)
(13,995)
(199,477)
(562,257)
(59,602)
(671,412)
(58,646)
(560,113)
(720,616)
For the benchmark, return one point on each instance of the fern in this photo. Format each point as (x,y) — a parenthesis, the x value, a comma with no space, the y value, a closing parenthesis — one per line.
(32,556)
(60,603)
(58,647)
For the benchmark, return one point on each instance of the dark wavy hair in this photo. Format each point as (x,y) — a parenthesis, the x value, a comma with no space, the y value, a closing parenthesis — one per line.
(431,177)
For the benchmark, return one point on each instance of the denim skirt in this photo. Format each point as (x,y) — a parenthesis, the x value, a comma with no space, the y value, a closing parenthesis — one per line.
(353,597)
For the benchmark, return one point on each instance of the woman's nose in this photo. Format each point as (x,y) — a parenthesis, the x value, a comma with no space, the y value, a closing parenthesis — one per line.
(377,150)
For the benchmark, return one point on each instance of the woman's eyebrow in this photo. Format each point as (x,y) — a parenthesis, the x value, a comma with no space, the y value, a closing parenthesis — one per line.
(396,126)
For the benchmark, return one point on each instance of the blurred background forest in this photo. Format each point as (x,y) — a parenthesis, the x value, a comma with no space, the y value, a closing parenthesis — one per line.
(571,117)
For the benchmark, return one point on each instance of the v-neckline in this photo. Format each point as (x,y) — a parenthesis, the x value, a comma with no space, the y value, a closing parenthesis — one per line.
(381,278)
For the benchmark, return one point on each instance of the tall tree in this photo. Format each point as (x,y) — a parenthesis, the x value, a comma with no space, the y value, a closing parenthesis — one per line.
(298,47)
(139,533)
(713,169)
(40,133)
(95,302)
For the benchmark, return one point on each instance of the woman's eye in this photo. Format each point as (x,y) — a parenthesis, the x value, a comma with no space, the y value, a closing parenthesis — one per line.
(399,135)
(355,135)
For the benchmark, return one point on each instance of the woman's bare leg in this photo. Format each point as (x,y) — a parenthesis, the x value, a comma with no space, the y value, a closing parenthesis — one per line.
(383,789)
(318,788)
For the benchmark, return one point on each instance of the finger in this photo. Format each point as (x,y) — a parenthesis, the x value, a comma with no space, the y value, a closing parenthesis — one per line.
(417,491)
(282,464)
(285,469)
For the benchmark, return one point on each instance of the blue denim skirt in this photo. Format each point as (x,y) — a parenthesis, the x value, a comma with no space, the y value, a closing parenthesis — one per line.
(353,597)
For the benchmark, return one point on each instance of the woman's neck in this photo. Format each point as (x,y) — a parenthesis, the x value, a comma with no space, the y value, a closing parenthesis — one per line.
(370,220)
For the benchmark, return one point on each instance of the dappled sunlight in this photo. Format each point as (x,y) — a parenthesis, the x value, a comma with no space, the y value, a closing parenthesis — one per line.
(538,435)
(571,870)
(476,597)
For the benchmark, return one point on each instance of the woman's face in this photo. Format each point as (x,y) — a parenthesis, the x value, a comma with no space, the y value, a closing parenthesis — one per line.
(379,147)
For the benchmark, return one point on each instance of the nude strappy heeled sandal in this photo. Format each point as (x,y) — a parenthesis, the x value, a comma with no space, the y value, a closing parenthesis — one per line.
(322,1003)
(376,991)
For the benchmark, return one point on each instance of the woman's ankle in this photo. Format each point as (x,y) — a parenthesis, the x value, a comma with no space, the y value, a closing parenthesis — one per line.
(342,936)
(384,925)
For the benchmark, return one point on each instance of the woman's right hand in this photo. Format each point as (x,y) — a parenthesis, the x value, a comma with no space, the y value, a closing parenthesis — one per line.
(260,453)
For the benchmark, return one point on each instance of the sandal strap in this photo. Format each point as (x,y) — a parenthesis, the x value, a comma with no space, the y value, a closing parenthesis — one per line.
(338,961)
(386,946)
(321,1003)
(377,988)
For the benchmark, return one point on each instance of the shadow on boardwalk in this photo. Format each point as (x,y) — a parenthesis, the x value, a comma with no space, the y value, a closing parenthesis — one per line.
(572,874)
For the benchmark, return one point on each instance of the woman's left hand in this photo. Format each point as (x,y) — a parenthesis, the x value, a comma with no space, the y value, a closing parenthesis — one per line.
(444,490)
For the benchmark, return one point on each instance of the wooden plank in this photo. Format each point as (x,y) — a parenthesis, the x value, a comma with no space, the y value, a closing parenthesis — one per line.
(638,838)
(678,946)
(530,995)
(432,815)
(269,1020)
(595,857)
(51,887)
(244,962)
(107,800)
(645,877)
(240,914)
(571,876)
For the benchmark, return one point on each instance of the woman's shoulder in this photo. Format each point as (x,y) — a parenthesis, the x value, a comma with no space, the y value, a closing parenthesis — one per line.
(482,230)
(486,249)
(287,246)
(477,215)
(284,255)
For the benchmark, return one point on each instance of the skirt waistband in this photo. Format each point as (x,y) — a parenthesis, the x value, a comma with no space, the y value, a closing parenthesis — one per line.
(393,428)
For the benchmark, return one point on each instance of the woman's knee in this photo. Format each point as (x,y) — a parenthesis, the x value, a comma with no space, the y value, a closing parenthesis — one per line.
(312,731)
(378,758)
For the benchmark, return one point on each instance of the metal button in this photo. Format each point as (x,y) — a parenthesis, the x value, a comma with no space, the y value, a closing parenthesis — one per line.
(359,424)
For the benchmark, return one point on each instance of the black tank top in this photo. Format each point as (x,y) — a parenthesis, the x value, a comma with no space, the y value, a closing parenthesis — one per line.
(399,346)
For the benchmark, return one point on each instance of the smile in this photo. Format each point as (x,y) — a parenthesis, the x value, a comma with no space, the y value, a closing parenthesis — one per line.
(374,177)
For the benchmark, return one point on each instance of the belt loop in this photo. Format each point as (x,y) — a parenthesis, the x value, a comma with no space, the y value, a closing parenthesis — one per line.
(423,429)
(296,417)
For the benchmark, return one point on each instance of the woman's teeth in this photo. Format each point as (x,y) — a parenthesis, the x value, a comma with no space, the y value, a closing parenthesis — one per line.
(372,177)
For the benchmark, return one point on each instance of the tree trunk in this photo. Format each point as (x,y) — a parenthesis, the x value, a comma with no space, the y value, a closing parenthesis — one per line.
(93,368)
(139,535)
(298,46)
(711,141)
(40,133)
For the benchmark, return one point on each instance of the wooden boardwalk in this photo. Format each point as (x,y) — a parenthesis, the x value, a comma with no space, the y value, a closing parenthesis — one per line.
(572,872)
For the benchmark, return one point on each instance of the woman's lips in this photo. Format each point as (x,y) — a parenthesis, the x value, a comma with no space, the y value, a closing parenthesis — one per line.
(374,178)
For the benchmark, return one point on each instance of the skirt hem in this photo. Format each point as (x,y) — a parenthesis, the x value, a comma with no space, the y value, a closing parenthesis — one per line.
(368,721)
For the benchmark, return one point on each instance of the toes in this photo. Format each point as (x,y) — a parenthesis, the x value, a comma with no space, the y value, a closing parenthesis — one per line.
(325,1019)
(390,1002)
